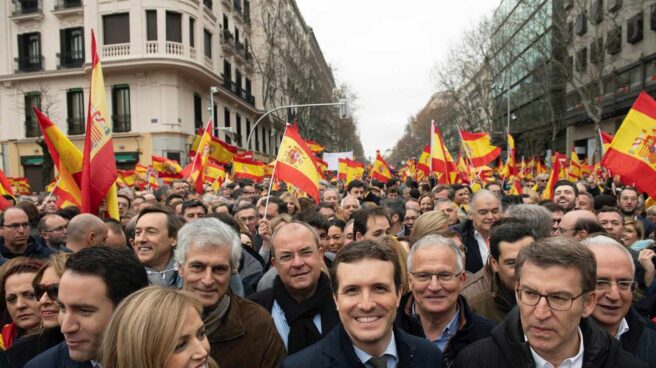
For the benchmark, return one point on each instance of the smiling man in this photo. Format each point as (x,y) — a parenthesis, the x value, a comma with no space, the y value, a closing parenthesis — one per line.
(565,193)
(241,333)
(555,281)
(366,280)
(434,309)
(371,223)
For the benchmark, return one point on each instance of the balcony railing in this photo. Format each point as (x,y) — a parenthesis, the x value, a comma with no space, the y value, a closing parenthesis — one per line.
(31,63)
(75,126)
(174,48)
(121,123)
(26,7)
(71,59)
(152,47)
(208,3)
(116,50)
(67,4)
(192,52)
(239,91)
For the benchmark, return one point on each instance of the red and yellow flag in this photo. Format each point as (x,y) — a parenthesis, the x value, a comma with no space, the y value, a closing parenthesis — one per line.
(220,152)
(98,163)
(510,169)
(380,171)
(441,161)
(5,185)
(166,168)
(349,170)
(464,171)
(315,147)
(553,178)
(423,164)
(246,168)
(125,178)
(296,164)
(606,140)
(201,158)
(575,171)
(632,153)
(215,175)
(478,148)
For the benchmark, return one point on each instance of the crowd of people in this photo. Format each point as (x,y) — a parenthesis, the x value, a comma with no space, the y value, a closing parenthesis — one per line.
(396,274)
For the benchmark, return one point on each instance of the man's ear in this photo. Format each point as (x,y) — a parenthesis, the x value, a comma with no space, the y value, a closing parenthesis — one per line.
(589,304)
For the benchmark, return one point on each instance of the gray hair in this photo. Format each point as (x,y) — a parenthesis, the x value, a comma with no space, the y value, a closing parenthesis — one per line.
(533,215)
(437,241)
(208,233)
(308,227)
(608,242)
(482,193)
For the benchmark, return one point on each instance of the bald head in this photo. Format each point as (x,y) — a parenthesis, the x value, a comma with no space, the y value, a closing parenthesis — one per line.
(85,231)
(579,224)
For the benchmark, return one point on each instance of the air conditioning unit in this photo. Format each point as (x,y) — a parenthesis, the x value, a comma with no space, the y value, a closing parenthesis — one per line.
(614,5)
(581,25)
(614,41)
(634,29)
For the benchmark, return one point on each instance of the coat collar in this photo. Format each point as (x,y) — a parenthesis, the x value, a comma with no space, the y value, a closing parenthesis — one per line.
(232,325)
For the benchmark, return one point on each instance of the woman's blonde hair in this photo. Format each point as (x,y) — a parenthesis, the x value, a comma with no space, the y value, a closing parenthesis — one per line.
(429,223)
(57,262)
(400,252)
(145,328)
(292,198)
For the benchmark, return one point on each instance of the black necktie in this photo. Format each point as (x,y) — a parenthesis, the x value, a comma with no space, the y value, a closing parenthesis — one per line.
(378,362)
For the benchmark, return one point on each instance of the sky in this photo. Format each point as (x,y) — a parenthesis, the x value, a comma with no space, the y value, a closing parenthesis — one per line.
(385,50)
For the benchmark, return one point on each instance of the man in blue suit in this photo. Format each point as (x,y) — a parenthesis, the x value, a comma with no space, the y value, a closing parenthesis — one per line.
(366,281)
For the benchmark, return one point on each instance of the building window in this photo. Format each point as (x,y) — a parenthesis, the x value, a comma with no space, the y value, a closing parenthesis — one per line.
(198,112)
(257,139)
(614,5)
(208,43)
(151,25)
(238,138)
(192,32)
(581,59)
(634,29)
(238,80)
(29,52)
(225,22)
(121,108)
(173,27)
(247,86)
(75,111)
(248,132)
(265,138)
(614,40)
(596,11)
(226,121)
(71,54)
(32,99)
(116,28)
(581,25)
(227,75)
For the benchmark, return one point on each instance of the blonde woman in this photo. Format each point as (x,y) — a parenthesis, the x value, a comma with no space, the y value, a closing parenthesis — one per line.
(293,206)
(156,327)
(429,223)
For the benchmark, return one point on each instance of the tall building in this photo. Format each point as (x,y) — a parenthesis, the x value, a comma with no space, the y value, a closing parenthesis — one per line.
(160,60)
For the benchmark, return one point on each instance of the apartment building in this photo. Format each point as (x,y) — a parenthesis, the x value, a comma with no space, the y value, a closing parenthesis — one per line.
(161,60)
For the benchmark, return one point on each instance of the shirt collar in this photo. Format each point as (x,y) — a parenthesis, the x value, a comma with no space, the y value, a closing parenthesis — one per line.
(95,364)
(573,362)
(622,329)
(390,351)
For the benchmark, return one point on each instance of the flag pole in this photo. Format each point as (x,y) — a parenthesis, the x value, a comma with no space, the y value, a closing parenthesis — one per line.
(273,174)
(53,189)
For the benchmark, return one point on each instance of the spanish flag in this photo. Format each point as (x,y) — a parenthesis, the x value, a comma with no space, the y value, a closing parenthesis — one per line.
(516,186)
(547,193)
(98,163)
(220,152)
(67,159)
(20,185)
(5,186)
(478,148)
(423,164)
(632,153)
(380,170)
(166,168)
(349,170)
(296,164)
(441,160)
(246,168)
(315,147)
(464,170)
(214,175)
(511,164)
(197,166)
(575,168)
(126,178)
(606,140)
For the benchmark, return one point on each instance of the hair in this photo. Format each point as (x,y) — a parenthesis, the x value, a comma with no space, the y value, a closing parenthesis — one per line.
(633,189)
(282,206)
(607,242)
(441,187)
(437,241)
(429,223)
(193,203)
(313,218)
(568,183)
(651,210)
(114,225)
(2,215)
(142,333)
(173,222)
(235,224)
(120,270)
(292,199)
(56,262)
(354,184)
(509,230)
(42,226)
(428,195)
(604,200)
(171,197)
(551,206)
(27,266)
(611,209)
(361,250)
(208,233)
(362,216)
(640,229)
(456,187)
(560,252)
(248,206)
(530,193)
(479,194)
(281,228)
(589,225)
(586,194)
(337,223)
(125,196)
(31,211)
(536,217)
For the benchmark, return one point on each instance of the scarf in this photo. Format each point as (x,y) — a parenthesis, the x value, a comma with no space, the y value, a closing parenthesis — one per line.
(212,317)
(302,331)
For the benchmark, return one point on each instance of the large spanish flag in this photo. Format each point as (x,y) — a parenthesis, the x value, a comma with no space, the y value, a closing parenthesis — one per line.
(632,154)
(247,168)
(441,160)
(478,148)
(296,164)
(349,170)
(380,171)
(98,163)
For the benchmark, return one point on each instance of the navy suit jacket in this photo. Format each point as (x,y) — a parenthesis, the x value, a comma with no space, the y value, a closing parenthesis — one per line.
(336,351)
(56,357)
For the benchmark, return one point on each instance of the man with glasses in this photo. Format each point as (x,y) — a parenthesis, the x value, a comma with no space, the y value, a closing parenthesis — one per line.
(409,219)
(555,282)
(16,239)
(615,287)
(52,228)
(448,208)
(434,309)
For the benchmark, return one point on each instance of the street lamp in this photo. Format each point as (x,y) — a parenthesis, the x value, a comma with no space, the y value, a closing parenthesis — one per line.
(213,90)
(343,113)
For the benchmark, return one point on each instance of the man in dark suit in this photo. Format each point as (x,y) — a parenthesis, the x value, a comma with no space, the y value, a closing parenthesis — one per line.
(366,279)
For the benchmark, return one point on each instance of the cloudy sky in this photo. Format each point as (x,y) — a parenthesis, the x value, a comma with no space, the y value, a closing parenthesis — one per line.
(385,50)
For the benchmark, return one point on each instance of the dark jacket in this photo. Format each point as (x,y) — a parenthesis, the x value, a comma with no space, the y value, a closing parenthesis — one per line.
(507,348)
(472,327)
(56,357)
(36,248)
(336,351)
(494,303)
(473,263)
(640,340)
(28,347)
(247,337)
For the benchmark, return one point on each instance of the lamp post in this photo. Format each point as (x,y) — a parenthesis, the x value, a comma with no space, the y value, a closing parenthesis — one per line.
(344,111)
(213,90)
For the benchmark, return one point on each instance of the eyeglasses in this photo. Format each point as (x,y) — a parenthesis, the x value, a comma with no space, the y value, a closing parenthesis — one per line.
(288,257)
(25,225)
(441,276)
(623,285)
(52,290)
(559,302)
(56,230)
(248,219)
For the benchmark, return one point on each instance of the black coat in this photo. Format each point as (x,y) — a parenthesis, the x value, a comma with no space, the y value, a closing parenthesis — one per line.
(473,263)
(507,348)
(336,351)
(36,248)
(56,357)
(28,347)
(472,328)
(640,340)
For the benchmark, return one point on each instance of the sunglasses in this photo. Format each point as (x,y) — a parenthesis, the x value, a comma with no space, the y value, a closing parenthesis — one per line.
(52,290)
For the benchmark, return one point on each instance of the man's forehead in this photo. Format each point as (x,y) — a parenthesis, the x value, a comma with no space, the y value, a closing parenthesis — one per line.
(212,256)
(564,189)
